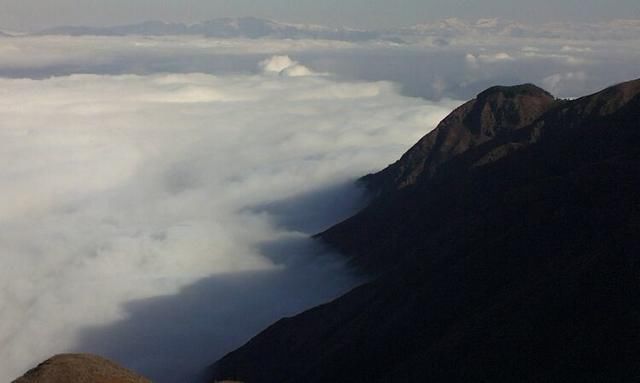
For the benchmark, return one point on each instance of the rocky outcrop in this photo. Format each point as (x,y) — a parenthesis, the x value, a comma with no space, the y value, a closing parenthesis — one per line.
(496,112)
(80,368)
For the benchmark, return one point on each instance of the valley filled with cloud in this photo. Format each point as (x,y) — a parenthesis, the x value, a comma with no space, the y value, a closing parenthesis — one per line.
(120,188)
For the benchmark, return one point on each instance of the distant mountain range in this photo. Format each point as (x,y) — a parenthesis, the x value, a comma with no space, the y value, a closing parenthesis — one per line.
(454,27)
(252,27)
(243,27)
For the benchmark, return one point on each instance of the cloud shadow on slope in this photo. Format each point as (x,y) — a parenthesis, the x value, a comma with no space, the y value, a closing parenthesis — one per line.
(174,338)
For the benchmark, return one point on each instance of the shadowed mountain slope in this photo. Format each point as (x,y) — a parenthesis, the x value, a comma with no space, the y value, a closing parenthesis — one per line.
(505,246)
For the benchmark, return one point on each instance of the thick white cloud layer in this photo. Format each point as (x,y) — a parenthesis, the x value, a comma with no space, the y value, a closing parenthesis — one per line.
(119,188)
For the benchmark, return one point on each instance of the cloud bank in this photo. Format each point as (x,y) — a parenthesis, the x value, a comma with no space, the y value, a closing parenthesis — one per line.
(431,67)
(120,189)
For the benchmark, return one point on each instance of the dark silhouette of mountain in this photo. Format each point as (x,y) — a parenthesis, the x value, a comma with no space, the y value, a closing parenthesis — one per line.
(242,27)
(79,368)
(504,247)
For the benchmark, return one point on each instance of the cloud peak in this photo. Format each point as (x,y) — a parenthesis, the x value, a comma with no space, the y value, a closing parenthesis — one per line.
(284,66)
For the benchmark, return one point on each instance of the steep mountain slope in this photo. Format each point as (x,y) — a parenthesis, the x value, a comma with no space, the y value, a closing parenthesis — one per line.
(79,368)
(506,249)
(496,112)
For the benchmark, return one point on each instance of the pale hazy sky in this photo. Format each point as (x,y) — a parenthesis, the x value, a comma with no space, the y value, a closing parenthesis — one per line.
(37,14)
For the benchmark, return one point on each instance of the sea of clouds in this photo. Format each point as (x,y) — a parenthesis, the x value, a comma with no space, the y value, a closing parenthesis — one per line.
(427,67)
(158,193)
(118,188)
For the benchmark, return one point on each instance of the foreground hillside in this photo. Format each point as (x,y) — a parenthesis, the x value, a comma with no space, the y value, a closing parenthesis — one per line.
(76,368)
(505,247)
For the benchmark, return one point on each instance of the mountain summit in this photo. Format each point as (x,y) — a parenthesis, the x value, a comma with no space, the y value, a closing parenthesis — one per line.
(498,111)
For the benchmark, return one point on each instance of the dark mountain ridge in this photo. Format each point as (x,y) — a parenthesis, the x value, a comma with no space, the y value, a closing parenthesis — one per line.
(505,245)
(497,111)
